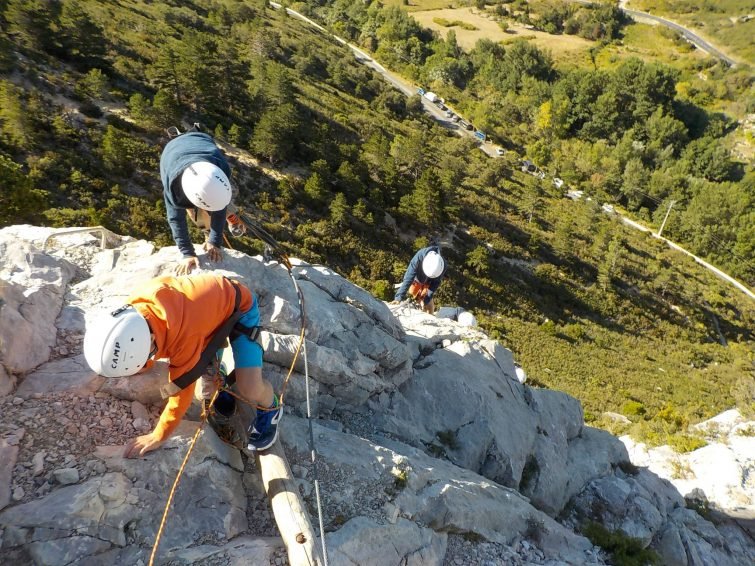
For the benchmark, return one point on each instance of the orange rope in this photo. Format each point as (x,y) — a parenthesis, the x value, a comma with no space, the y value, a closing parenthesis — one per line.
(175,482)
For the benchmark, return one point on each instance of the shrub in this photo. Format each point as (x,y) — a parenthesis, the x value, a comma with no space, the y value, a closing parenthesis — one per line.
(549,327)
(686,442)
(633,408)
(382,289)
(455,23)
(625,550)
(574,331)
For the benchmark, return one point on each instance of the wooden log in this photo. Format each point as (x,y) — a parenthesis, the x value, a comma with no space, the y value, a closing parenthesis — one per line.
(288,508)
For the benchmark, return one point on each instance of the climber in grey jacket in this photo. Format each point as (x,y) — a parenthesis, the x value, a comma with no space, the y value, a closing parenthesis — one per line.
(422,278)
(195,177)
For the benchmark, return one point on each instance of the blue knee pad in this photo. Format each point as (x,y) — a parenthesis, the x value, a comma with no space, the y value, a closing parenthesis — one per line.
(248,353)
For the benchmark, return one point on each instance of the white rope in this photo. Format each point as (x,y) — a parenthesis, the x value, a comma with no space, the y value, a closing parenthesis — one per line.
(313,453)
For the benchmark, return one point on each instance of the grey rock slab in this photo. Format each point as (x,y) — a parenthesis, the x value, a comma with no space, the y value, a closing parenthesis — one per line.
(462,393)
(8,455)
(238,552)
(27,329)
(592,454)
(66,374)
(210,498)
(78,508)
(344,291)
(435,492)
(649,509)
(32,285)
(66,476)
(63,551)
(326,365)
(365,542)
(462,403)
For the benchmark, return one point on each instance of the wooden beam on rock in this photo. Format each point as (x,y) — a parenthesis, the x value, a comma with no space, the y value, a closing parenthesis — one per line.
(288,508)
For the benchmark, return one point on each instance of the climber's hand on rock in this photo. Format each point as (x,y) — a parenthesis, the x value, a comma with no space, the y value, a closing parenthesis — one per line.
(213,252)
(187,265)
(140,445)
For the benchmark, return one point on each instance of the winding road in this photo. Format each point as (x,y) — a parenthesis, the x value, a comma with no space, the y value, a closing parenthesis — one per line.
(397,81)
(693,38)
(408,89)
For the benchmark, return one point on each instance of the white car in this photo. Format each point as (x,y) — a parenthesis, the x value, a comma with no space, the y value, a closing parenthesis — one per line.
(499,151)
(558,183)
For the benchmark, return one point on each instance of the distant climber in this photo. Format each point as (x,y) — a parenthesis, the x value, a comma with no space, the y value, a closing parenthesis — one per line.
(176,318)
(423,277)
(195,176)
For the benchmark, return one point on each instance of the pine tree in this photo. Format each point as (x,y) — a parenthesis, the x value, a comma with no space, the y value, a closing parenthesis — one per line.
(315,188)
(339,210)
(611,263)
(18,200)
(275,133)
(478,260)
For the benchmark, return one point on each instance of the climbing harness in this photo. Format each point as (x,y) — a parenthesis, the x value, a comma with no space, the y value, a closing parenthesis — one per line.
(234,330)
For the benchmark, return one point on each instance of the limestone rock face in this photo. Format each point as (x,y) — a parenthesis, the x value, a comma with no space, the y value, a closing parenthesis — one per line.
(429,449)
(32,285)
(649,509)
(465,402)
(116,515)
(402,482)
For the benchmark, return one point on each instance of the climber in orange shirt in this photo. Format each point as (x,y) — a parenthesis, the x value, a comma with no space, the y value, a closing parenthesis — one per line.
(176,318)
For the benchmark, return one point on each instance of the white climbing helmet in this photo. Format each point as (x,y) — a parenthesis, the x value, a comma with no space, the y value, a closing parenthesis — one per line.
(206,186)
(118,345)
(467,319)
(433,264)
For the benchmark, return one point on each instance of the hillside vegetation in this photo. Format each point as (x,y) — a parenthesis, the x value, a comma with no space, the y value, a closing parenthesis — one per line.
(331,160)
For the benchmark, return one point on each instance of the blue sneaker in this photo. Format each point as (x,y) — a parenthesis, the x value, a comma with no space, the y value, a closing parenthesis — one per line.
(264,431)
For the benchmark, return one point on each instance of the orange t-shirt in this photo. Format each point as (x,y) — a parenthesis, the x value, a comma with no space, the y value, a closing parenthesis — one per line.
(183,314)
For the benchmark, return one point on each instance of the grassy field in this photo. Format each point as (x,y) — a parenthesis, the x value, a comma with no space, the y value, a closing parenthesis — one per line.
(728,24)
(565,46)
(419,5)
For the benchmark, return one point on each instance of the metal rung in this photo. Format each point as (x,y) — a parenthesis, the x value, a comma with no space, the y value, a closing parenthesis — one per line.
(103,234)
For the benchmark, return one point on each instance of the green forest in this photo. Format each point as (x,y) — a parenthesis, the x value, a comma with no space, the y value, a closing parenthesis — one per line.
(346,171)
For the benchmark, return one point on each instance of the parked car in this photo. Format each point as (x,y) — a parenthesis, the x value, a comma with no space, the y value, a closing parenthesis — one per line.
(432,97)
(558,183)
(449,114)
(455,119)
(529,167)
(469,126)
(499,151)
